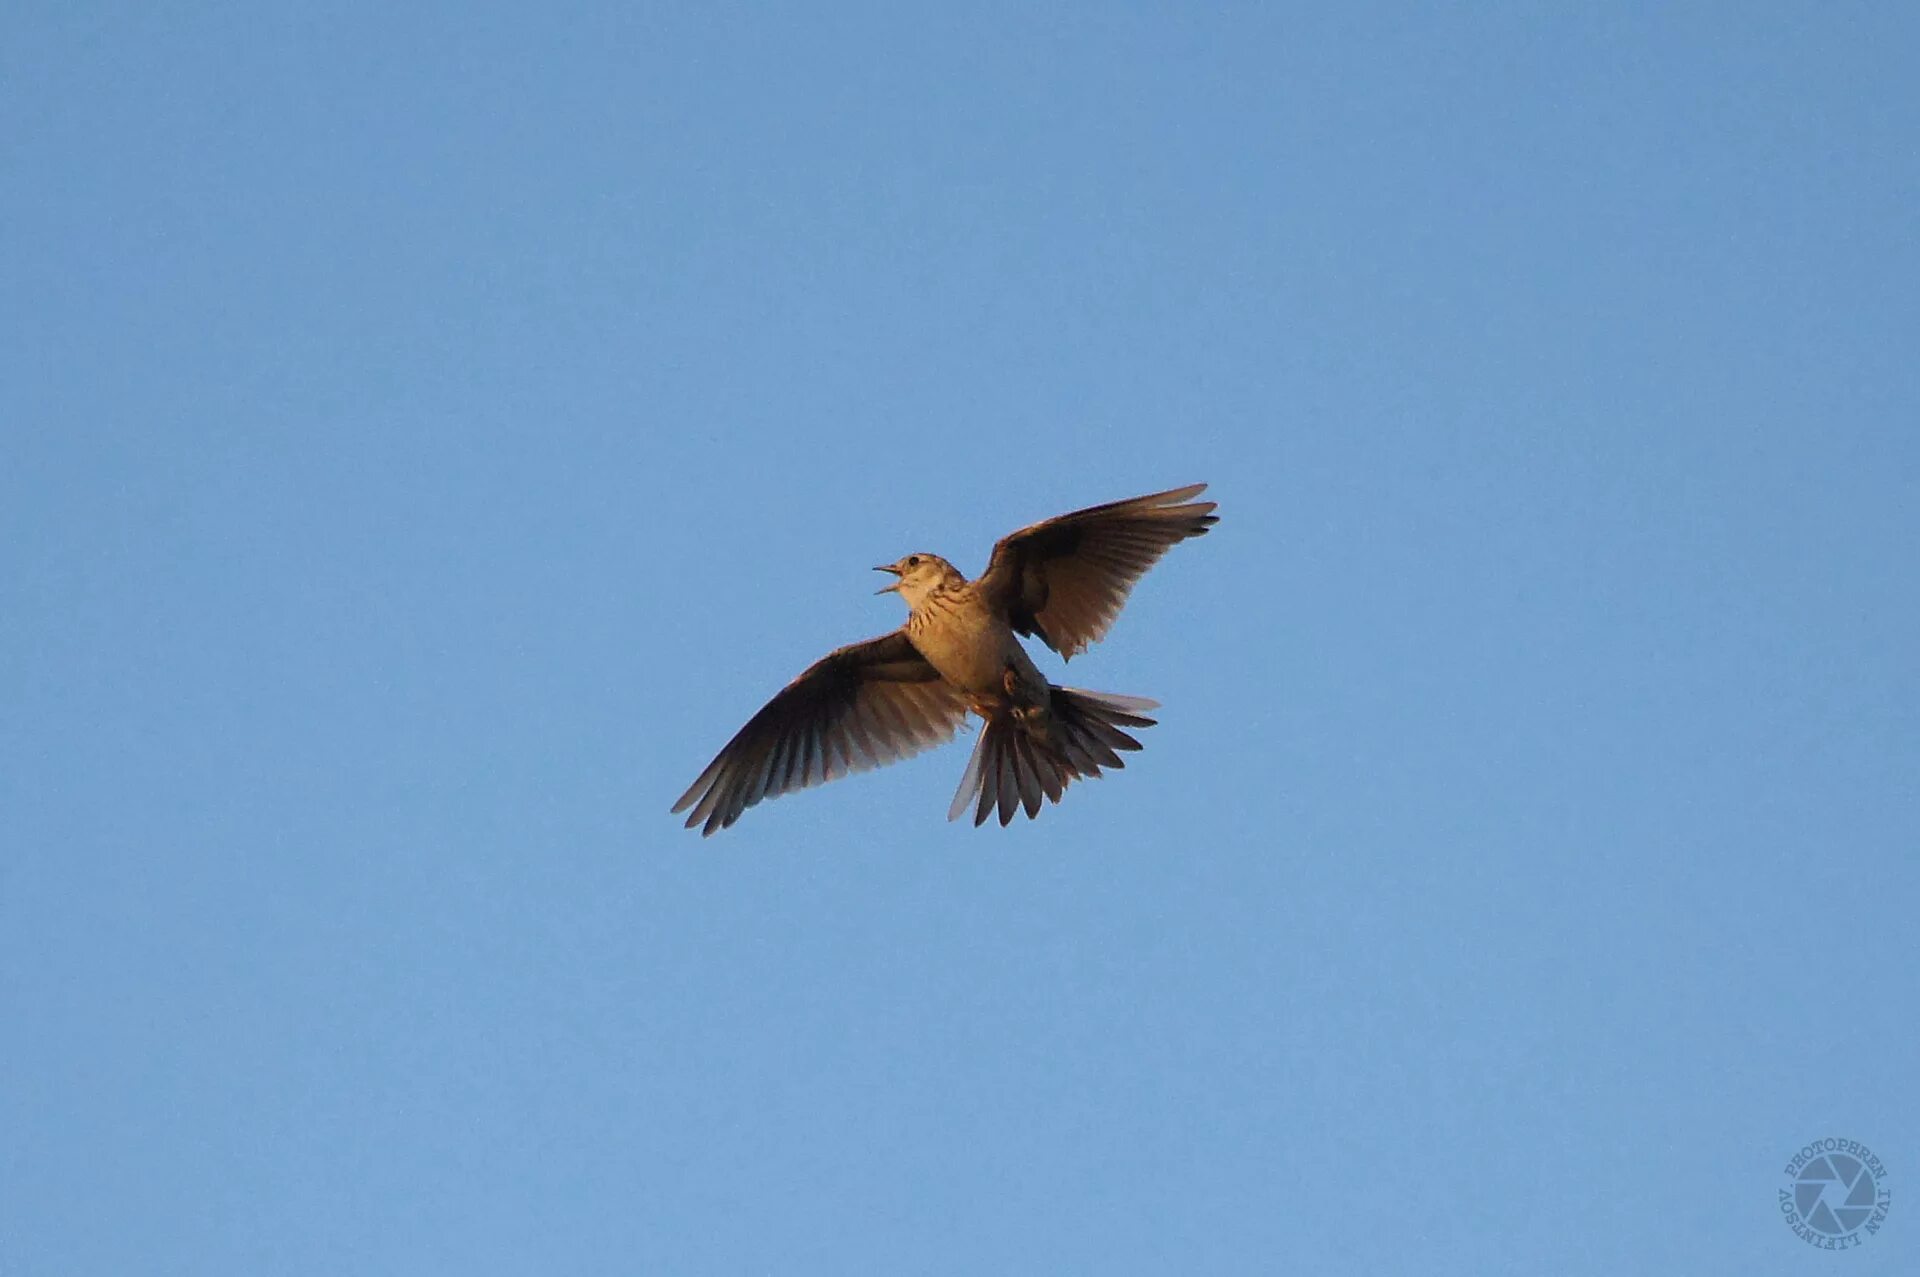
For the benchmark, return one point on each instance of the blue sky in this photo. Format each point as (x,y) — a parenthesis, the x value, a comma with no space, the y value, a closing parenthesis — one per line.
(431,431)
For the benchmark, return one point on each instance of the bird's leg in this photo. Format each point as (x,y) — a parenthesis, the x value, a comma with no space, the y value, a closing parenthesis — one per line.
(1032,715)
(991,705)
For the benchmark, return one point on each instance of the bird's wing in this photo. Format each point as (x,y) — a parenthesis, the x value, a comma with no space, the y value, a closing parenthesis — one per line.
(858,707)
(1066,579)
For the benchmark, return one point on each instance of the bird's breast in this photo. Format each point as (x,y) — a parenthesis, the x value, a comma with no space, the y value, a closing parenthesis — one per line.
(967,643)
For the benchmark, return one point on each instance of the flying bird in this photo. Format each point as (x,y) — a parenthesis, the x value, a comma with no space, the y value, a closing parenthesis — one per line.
(1062,581)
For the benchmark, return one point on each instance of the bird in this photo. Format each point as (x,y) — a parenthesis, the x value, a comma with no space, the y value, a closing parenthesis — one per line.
(1062,580)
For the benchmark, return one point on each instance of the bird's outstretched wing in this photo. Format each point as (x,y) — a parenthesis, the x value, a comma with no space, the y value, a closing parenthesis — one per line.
(1066,579)
(855,708)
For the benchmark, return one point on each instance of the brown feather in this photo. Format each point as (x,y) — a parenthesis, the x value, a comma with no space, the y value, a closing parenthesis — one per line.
(856,708)
(1066,579)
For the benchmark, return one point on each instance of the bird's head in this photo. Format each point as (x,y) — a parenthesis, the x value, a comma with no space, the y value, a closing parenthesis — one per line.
(920,575)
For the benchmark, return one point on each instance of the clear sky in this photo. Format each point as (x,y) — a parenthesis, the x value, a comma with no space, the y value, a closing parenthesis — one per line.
(431,430)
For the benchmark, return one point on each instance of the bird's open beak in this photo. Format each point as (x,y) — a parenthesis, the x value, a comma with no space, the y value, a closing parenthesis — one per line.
(888,589)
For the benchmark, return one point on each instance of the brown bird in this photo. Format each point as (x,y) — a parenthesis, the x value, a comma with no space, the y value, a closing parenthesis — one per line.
(1063,581)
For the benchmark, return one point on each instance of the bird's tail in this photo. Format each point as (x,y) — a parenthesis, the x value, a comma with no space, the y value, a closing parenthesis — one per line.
(1012,768)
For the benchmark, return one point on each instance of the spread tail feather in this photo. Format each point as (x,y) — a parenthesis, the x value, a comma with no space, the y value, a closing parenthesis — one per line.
(1010,769)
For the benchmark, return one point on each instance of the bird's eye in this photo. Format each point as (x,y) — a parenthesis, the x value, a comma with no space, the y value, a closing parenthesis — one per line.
(913,560)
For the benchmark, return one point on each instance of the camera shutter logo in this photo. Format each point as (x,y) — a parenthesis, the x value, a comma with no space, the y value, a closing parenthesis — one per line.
(1836,1195)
